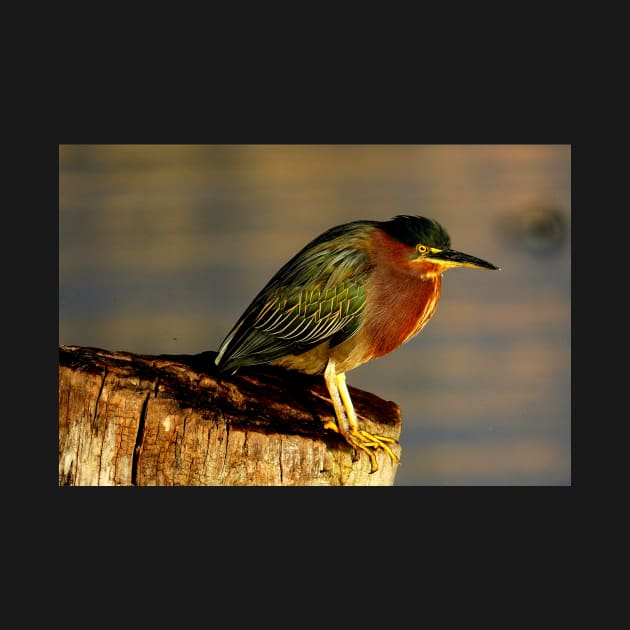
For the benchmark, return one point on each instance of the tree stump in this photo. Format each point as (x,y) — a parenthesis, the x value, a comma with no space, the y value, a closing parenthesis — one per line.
(172,420)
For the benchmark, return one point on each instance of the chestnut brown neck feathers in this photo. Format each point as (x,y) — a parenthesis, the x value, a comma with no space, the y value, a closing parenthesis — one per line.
(396,316)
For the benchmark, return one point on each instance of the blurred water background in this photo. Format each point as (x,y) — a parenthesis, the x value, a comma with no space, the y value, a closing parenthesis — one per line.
(161,248)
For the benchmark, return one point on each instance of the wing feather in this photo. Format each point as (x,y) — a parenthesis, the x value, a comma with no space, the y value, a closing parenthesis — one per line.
(319,294)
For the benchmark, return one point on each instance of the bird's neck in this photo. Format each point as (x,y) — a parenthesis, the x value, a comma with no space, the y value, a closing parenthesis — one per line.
(401,303)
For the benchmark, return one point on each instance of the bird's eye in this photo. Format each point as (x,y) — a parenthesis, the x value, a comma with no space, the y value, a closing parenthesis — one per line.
(422,249)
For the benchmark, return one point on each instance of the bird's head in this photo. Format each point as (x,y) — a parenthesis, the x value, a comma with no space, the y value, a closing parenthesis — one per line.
(427,246)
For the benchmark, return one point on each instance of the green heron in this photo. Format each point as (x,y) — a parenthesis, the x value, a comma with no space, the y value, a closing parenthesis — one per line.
(354,293)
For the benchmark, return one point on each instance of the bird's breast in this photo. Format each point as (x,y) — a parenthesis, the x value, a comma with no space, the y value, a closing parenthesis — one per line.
(399,308)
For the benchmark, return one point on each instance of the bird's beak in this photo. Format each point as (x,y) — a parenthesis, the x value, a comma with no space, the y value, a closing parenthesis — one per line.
(452,258)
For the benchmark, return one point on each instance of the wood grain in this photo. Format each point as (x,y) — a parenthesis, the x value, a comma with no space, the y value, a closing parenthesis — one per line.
(171,420)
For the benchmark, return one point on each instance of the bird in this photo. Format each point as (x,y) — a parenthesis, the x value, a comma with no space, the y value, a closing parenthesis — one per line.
(354,293)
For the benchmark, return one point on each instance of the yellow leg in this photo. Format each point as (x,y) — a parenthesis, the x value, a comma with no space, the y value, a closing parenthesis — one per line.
(347,421)
(343,426)
(378,441)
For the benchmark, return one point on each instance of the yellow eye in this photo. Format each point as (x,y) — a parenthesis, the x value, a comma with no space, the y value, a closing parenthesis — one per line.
(422,250)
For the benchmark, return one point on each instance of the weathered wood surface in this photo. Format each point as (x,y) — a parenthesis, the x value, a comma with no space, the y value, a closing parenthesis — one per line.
(129,419)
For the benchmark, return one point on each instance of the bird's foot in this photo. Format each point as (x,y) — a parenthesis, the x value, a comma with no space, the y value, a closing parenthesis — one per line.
(367,442)
(361,440)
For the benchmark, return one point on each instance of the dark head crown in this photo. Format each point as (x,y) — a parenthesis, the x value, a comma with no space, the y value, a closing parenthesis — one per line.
(412,230)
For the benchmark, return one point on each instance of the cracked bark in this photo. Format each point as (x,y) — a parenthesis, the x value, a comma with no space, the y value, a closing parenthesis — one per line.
(130,419)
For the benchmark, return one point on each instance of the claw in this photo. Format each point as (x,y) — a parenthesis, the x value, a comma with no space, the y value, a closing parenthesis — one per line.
(347,423)
(369,444)
(380,442)
(361,440)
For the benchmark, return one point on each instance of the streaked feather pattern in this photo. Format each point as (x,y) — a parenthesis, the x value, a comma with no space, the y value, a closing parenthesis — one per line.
(318,295)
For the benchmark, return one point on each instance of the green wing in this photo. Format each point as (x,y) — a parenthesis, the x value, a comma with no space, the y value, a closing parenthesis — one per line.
(318,295)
